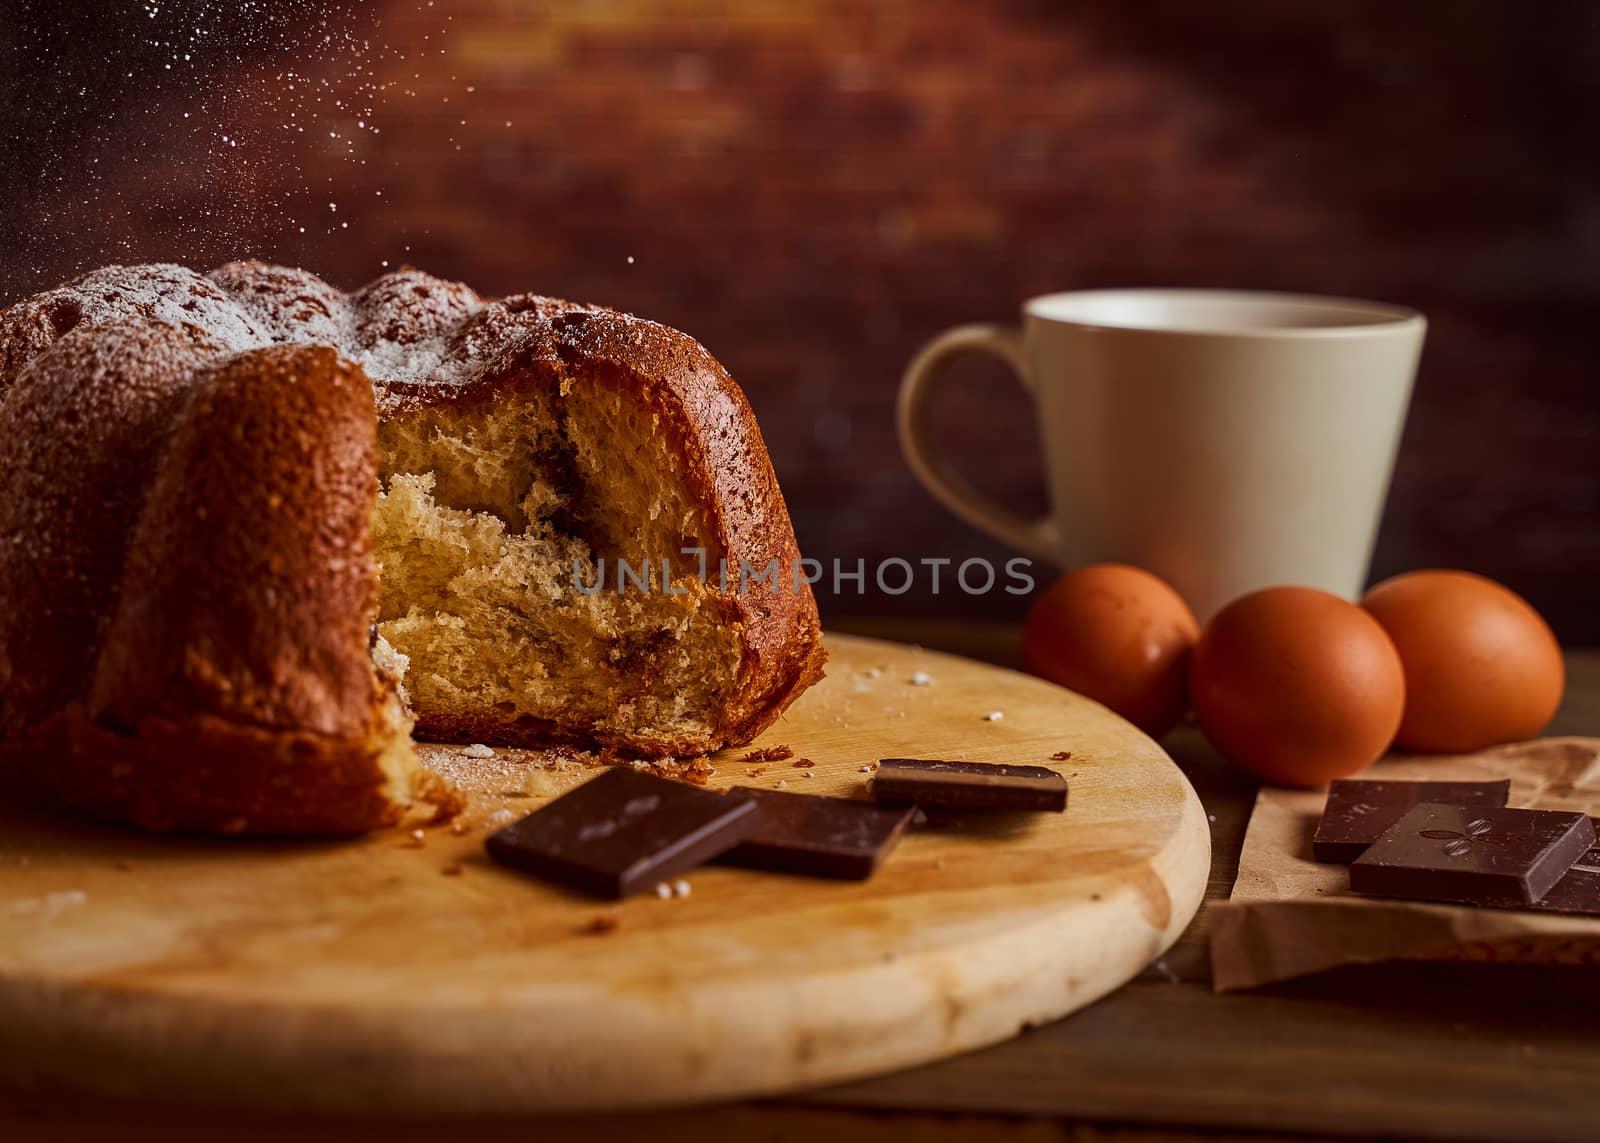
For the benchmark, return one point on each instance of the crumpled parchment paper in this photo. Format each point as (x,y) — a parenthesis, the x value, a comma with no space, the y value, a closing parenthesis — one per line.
(1290,915)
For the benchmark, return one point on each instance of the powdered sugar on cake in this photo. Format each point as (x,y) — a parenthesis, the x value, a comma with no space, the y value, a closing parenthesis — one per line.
(407,329)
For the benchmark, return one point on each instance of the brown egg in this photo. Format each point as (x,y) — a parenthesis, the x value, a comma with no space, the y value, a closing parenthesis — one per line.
(1481,666)
(1118,635)
(1297,685)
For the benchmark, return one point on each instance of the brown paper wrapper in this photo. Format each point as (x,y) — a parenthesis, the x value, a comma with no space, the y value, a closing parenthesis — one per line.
(1290,915)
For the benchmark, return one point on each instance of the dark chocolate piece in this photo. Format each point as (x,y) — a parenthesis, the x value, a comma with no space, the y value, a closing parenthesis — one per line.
(817,836)
(1358,812)
(1579,890)
(623,832)
(968,785)
(1477,856)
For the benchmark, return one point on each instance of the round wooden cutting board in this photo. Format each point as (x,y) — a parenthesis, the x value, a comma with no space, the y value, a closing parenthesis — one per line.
(405,973)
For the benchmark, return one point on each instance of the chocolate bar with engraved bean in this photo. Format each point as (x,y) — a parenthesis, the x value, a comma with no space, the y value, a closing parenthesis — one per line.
(1360,811)
(1472,855)
(978,786)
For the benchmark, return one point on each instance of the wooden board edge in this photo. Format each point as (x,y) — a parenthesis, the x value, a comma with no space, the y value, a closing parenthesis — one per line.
(955,1000)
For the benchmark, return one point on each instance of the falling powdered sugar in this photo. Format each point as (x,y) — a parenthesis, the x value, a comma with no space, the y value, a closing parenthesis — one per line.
(276,109)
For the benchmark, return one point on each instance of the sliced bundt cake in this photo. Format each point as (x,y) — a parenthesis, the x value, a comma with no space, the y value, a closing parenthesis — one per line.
(257,526)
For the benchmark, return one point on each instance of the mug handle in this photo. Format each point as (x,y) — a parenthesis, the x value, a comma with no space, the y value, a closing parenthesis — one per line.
(1038,538)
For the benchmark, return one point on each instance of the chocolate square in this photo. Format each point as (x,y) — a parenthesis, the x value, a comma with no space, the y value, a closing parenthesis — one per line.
(1359,811)
(1579,890)
(817,836)
(982,786)
(1473,855)
(622,832)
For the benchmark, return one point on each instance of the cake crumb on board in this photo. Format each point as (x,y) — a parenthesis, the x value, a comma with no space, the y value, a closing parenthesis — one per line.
(768,754)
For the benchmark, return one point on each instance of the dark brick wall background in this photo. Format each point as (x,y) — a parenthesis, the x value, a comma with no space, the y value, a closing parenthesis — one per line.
(814,187)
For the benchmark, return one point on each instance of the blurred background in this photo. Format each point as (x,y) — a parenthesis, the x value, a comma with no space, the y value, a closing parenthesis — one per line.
(815,187)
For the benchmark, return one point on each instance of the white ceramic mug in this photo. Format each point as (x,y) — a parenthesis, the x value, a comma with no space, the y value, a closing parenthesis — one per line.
(1224,440)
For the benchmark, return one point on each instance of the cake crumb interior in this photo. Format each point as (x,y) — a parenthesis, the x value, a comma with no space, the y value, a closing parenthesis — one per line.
(498,531)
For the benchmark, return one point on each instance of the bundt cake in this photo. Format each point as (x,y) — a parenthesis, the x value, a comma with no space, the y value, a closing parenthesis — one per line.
(255,528)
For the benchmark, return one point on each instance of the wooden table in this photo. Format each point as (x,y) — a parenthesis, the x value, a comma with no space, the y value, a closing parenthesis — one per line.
(1466,1052)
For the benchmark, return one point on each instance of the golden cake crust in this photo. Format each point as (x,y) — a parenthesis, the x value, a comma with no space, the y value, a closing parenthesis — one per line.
(200,773)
